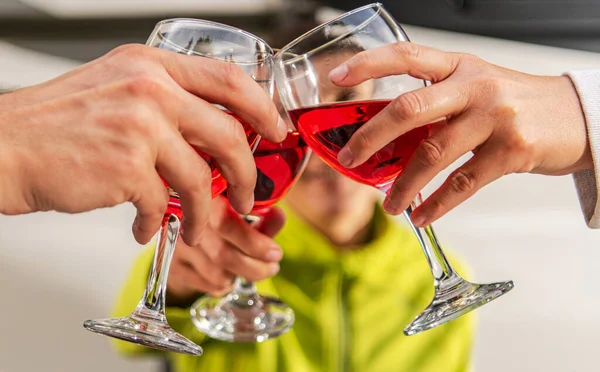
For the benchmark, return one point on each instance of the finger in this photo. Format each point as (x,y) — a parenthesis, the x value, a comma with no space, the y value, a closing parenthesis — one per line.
(247,239)
(215,276)
(227,84)
(272,222)
(190,176)
(433,155)
(151,203)
(409,111)
(489,164)
(221,136)
(184,281)
(224,255)
(396,59)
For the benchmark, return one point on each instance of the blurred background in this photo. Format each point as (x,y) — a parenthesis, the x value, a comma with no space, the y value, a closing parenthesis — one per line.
(57,270)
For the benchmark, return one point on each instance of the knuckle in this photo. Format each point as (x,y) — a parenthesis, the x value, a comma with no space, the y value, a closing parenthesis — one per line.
(144,86)
(362,58)
(234,76)
(362,141)
(131,50)
(407,50)
(430,153)
(462,182)
(222,255)
(197,182)
(467,58)
(437,206)
(233,137)
(408,106)
(137,120)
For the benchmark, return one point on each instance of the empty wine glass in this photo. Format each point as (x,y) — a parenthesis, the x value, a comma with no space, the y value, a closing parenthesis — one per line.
(326,122)
(244,315)
(147,325)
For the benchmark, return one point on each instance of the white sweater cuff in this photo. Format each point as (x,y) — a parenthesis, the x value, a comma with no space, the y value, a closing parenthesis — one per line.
(587,84)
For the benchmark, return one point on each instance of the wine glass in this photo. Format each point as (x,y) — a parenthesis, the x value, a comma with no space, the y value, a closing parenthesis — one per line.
(326,123)
(243,315)
(147,325)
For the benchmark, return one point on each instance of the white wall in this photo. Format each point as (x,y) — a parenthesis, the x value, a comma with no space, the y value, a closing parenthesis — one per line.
(57,270)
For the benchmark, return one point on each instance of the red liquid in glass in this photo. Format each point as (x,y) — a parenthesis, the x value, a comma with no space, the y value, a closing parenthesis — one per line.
(278,166)
(328,128)
(218,184)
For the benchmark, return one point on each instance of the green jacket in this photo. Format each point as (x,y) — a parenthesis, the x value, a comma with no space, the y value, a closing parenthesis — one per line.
(350,310)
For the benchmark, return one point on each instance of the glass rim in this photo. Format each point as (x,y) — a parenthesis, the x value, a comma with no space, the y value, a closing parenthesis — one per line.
(269,54)
(378,6)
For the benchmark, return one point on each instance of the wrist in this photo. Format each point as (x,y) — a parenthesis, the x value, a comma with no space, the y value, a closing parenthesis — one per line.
(10,169)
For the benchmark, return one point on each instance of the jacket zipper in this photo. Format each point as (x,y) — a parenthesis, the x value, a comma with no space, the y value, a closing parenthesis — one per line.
(343,326)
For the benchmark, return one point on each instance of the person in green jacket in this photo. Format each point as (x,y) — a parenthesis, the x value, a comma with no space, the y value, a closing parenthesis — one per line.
(353,275)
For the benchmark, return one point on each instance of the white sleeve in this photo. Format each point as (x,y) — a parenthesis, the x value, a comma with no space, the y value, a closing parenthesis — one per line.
(587,84)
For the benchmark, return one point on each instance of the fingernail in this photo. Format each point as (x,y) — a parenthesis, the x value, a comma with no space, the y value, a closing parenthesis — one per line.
(418,220)
(136,224)
(388,207)
(274,268)
(339,73)
(282,128)
(274,255)
(250,203)
(345,157)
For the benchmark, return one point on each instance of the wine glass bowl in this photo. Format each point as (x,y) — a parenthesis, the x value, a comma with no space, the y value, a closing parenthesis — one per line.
(327,116)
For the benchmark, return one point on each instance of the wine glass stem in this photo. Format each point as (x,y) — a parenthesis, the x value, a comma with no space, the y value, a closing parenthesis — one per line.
(243,288)
(443,273)
(153,301)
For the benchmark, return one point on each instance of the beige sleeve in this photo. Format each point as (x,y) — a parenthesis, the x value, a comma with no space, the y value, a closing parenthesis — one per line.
(587,84)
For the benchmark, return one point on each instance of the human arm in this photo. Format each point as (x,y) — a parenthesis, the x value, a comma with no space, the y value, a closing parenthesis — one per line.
(101,134)
(512,123)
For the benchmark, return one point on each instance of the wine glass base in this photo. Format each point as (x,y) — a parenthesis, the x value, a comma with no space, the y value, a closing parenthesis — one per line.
(452,304)
(248,319)
(144,331)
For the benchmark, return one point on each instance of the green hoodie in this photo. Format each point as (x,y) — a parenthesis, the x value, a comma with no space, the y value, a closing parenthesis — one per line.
(350,310)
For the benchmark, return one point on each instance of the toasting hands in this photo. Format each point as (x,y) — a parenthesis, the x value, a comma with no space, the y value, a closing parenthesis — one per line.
(512,123)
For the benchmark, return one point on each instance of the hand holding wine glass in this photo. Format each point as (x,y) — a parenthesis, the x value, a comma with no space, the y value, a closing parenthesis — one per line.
(96,137)
(511,121)
(244,315)
(250,59)
(229,247)
(304,69)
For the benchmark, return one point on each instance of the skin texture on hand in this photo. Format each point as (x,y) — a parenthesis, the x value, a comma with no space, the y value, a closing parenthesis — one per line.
(229,247)
(512,123)
(101,134)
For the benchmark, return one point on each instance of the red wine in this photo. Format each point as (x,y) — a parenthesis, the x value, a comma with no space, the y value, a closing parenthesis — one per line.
(328,128)
(278,167)
(218,183)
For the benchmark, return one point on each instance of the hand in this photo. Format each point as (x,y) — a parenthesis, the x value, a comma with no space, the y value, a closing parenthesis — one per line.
(229,247)
(511,121)
(97,136)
